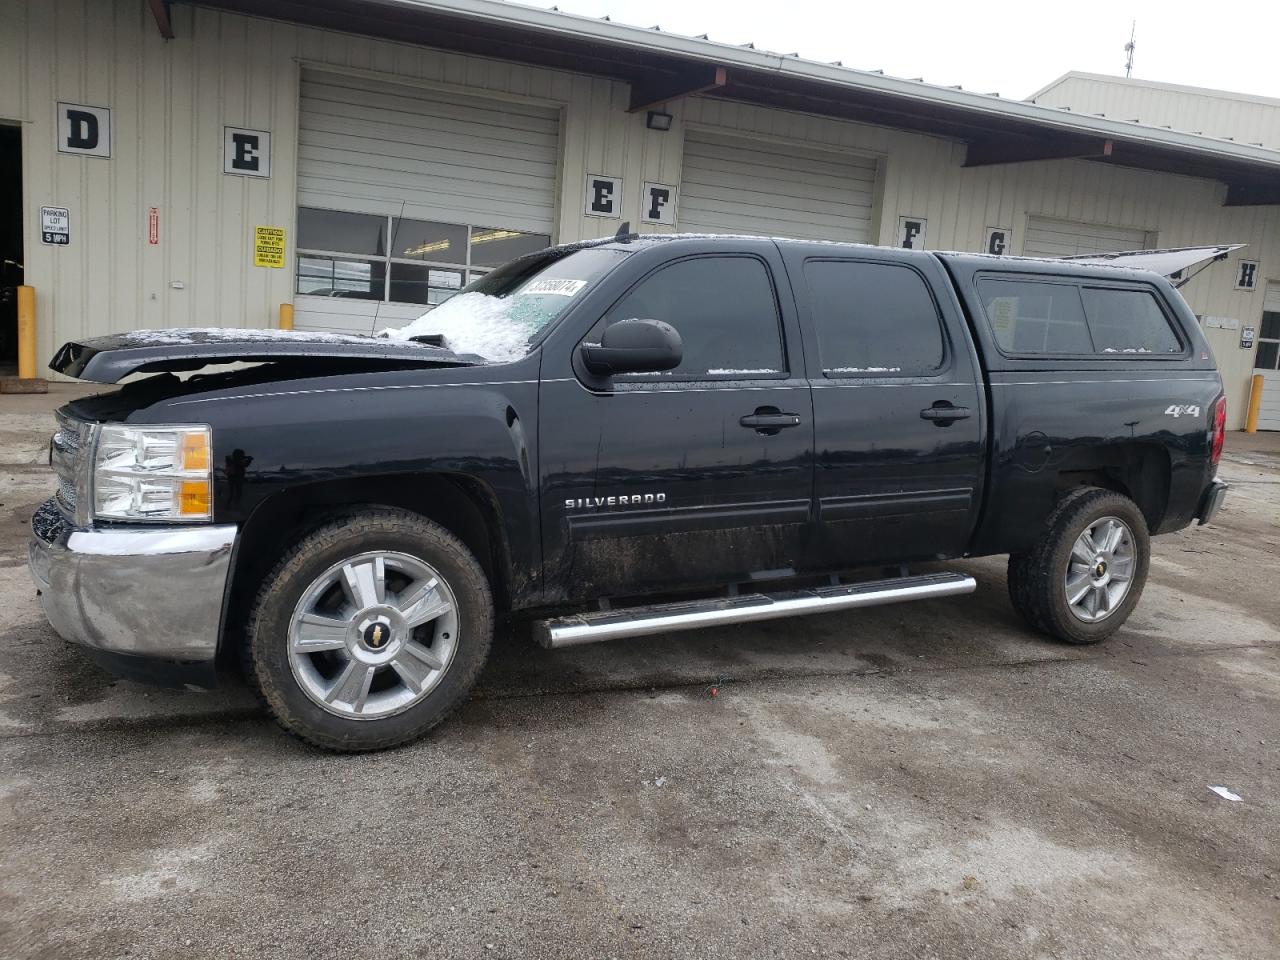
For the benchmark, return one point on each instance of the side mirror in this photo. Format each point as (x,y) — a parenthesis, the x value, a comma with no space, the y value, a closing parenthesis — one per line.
(634,346)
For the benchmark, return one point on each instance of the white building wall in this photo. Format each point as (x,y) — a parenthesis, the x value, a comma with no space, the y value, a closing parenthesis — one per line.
(170,100)
(1214,113)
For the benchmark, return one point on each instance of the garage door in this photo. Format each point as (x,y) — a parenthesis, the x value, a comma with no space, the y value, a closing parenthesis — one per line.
(735,185)
(1268,360)
(1047,237)
(406,194)
(370,146)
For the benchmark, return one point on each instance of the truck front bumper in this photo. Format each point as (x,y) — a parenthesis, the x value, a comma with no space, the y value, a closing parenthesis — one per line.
(1211,500)
(151,592)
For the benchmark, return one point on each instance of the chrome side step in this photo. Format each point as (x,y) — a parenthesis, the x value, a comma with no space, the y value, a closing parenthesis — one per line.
(746,608)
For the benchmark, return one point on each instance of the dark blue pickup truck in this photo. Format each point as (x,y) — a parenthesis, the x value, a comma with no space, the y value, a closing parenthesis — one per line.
(617,439)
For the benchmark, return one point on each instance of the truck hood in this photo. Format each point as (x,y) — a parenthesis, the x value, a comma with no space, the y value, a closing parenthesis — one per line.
(112,358)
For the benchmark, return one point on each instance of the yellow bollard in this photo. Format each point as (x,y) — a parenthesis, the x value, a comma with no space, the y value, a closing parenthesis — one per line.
(286,316)
(1255,404)
(26,333)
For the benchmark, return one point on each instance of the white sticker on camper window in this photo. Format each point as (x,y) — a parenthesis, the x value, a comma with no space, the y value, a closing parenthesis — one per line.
(1003,311)
(553,286)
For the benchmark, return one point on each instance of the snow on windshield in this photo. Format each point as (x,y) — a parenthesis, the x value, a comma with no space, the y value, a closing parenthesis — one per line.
(496,328)
(495,316)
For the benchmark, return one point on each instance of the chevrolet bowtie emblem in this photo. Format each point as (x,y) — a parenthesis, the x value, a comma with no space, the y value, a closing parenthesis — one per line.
(375,636)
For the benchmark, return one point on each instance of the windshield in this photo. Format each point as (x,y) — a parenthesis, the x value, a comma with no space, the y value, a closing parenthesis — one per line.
(498,315)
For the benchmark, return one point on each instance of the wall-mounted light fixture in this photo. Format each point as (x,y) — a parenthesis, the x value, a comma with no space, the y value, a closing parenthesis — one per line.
(657,120)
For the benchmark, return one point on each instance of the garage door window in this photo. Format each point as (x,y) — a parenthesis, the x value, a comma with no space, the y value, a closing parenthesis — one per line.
(1268,357)
(1128,321)
(725,311)
(398,259)
(873,319)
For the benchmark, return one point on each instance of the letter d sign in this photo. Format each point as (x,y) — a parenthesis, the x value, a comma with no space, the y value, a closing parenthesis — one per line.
(84,130)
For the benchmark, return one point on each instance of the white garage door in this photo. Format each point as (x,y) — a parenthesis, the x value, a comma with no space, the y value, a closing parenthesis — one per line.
(1047,237)
(1268,360)
(736,185)
(406,194)
(369,146)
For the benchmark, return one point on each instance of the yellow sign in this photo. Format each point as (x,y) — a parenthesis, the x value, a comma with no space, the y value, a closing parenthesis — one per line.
(268,246)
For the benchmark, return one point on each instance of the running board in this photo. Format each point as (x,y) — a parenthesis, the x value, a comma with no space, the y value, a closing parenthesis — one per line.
(746,608)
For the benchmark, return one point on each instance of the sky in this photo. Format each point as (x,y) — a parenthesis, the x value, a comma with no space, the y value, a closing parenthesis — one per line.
(1011,48)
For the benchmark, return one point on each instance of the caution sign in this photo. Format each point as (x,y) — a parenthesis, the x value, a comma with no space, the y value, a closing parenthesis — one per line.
(268,246)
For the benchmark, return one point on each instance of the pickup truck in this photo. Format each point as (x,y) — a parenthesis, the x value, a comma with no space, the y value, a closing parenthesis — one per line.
(617,439)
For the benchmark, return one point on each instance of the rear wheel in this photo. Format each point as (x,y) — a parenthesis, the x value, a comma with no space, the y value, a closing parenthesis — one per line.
(1084,575)
(370,631)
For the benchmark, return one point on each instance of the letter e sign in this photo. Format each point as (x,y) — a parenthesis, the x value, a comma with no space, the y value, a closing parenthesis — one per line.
(84,130)
(246,153)
(604,196)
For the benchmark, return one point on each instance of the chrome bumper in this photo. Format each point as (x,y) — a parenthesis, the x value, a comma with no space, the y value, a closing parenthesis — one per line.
(1211,500)
(142,591)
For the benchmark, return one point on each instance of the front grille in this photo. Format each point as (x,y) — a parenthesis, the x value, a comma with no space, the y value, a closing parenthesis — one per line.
(66,451)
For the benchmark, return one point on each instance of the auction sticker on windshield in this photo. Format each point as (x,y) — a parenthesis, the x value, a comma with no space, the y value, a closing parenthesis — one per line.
(554,285)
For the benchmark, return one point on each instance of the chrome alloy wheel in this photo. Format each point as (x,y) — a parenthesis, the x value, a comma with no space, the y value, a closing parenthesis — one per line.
(1100,569)
(373,635)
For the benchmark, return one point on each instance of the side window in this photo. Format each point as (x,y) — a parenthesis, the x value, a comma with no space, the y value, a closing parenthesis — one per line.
(1128,321)
(724,309)
(1033,317)
(873,319)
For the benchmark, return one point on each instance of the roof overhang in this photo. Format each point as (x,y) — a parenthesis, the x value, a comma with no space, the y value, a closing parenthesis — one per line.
(663,66)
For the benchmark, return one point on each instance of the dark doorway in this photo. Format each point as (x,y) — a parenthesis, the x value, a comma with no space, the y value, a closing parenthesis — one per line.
(10,240)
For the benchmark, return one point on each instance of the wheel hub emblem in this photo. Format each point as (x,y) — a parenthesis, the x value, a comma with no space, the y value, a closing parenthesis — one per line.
(1101,569)
(376,636)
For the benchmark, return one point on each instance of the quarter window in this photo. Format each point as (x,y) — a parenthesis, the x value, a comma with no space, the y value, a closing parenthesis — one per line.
(724,309)
(873,319)
(1034,317)
(398,259)
(1128,321)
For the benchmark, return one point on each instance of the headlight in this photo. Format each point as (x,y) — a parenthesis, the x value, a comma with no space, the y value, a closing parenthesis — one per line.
(153,473)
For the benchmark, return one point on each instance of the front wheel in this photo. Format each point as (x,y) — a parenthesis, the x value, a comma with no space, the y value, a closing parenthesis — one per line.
(369,631)
(1084,575)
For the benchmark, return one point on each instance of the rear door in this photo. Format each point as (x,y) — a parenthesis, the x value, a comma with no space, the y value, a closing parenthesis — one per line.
(693,476)
(898,405)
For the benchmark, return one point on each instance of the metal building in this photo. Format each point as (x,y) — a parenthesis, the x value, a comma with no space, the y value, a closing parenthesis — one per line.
(202,163)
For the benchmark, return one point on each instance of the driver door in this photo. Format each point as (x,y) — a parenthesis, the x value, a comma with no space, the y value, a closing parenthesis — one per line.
(689,477)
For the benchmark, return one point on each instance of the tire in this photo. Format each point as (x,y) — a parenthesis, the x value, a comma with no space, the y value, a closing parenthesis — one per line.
(1041,578)
(342,662)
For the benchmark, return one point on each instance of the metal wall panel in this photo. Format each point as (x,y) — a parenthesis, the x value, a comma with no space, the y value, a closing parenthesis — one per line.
(373,147)
(735,184)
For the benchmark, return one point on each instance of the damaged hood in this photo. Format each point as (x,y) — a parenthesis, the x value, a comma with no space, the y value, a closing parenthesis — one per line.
(112,358)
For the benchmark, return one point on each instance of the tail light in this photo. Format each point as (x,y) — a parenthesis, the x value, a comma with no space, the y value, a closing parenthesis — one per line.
(1218,432)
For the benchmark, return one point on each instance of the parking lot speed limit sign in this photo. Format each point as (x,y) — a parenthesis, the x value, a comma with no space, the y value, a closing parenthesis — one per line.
(55,226)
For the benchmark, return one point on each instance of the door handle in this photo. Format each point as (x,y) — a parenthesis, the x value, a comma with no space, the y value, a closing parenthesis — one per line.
(769,420)
(943,413)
